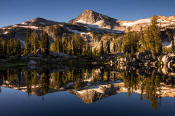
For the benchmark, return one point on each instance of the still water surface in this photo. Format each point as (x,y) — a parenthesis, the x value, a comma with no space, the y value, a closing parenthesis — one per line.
(85,92)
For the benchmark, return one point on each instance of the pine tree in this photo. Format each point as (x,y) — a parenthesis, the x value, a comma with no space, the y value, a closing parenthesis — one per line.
(19,49)
(86,51)
(130,43)
(3,47)
(44,43)
(155,36)
(114,47)
(77,44)
(91,53)
(173,48)
(142,41)
(69,47)
(28,42)
(101,49)
(108,47)
(34,42)
(58,45)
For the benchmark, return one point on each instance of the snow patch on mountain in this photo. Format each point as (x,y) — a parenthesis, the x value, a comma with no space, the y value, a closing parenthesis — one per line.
(162,21)
(74,31)
(6,32)
(81,21)
(31,27)
(131,23)
(78,32)
(24,23)
(114,31)
(93,25)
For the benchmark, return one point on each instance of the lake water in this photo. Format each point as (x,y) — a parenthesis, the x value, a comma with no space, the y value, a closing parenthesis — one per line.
(85,92)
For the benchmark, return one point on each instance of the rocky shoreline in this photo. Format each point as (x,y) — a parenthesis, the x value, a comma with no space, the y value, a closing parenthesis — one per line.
(164,63)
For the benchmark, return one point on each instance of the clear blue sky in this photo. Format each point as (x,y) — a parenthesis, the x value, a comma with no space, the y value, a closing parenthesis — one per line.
(17,11)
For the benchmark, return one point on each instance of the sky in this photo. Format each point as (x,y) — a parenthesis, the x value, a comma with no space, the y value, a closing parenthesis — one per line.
(17,11)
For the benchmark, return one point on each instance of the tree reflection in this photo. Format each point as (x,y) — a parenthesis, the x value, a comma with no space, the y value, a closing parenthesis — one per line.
(42,82)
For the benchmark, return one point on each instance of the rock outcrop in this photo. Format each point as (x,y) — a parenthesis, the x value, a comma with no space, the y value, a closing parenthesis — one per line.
(168,62)
(95,19)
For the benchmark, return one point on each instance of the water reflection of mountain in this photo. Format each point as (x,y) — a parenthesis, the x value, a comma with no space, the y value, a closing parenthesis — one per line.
(90,85)
(93,94)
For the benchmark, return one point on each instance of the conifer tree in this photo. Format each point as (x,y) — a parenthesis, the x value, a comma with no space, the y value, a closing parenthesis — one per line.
(3,47)
(34,42)
(142,41)
(156,35)
(19,49)
(114,47)
(58,45)
(108,47)
(101,49)
(28,42)
(152,37)
(173,47)
(69,46)
(44,43)
(77,44)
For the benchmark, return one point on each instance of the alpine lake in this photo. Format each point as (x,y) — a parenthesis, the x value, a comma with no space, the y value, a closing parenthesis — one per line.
(85,92)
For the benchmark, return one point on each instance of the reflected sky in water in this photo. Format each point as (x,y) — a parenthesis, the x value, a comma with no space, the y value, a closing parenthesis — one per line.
(85,92)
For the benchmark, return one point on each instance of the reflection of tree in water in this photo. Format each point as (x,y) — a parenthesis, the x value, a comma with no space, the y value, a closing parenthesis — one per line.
(43,82)
(28,81)
(149,85)
(130,80)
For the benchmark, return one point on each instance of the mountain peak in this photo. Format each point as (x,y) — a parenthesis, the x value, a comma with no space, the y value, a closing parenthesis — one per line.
(39,21)
(95,19)
(88,17)
(87,11)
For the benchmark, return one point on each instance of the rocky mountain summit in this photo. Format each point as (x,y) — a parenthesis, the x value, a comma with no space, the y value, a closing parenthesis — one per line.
(94,19)
(40,21)
(97,20)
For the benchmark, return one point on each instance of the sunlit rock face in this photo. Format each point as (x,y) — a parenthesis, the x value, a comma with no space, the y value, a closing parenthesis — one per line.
(95,20)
